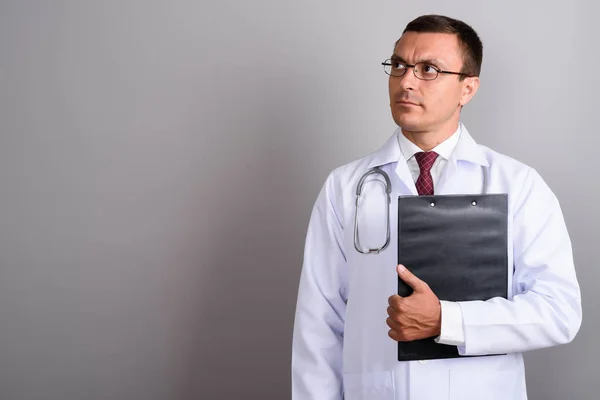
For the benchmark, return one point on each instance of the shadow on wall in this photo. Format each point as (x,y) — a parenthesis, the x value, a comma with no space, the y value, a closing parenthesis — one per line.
(259,207)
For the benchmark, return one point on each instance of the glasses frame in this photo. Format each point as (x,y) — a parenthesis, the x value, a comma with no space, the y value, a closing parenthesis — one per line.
(439,71)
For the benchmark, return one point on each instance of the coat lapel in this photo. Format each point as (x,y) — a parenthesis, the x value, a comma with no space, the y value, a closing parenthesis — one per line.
(461,174)
(390,153)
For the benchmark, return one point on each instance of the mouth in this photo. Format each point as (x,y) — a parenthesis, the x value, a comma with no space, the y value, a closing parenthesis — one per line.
(406,103)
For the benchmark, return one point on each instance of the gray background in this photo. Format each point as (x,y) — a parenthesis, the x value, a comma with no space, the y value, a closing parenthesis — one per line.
(159,162)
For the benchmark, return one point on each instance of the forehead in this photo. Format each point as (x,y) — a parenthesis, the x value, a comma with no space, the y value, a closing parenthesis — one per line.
(417,46)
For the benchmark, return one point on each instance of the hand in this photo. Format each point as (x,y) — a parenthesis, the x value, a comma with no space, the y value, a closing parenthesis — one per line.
(417,316)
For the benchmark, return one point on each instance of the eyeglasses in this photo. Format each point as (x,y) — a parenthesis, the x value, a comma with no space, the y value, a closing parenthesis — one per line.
(423,71)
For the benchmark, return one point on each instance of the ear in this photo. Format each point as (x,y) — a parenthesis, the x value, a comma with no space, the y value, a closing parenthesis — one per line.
(470,86)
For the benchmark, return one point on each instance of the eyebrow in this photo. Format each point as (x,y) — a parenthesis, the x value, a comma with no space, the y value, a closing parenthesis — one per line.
(432,61)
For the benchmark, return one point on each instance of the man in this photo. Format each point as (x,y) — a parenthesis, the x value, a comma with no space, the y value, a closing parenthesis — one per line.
(349,319)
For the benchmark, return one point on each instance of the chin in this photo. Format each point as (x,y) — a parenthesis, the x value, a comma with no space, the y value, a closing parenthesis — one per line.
(409,123)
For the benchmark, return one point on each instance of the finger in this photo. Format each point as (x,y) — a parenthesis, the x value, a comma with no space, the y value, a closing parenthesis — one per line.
(411,279)
(393,324)
(393,313)
(397,336)
(394,301)
(394,335)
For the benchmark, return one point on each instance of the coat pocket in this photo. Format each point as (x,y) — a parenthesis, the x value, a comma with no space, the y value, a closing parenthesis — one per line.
(487,384)
(369,386)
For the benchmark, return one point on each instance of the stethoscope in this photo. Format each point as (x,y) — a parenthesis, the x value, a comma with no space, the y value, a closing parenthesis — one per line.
(388,191)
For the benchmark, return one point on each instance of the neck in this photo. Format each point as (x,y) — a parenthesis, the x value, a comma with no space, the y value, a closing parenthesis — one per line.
(428,139)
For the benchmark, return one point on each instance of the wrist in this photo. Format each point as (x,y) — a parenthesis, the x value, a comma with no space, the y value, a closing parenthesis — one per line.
(438,327)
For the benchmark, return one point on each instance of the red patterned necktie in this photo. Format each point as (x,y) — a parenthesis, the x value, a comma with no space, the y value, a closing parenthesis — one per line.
(424,181)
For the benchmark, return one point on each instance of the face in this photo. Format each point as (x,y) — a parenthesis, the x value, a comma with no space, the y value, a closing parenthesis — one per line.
(429,106)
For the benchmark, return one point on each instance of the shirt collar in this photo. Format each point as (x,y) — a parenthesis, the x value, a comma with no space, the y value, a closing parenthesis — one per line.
(444,149)
(465,149)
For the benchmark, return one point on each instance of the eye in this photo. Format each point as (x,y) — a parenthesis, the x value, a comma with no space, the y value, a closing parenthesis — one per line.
(397,65)
(429,69)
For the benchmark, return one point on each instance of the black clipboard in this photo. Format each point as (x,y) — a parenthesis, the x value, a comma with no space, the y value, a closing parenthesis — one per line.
(458,244)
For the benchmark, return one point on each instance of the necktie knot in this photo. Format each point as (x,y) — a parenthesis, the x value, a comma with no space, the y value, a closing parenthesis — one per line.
(426,160)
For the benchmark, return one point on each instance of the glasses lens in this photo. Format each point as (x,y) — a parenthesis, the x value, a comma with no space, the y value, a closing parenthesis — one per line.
(394,68)
(387,67)
(425,71)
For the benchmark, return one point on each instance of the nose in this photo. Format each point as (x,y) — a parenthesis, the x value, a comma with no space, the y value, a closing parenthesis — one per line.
(408,81)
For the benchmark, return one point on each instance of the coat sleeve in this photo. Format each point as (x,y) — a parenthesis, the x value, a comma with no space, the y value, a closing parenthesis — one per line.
(321,306)
(546,306)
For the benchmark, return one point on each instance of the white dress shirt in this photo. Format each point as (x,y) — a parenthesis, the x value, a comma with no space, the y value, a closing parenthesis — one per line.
(452,332)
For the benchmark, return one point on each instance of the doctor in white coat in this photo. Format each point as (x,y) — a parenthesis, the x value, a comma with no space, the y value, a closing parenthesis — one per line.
(348,318)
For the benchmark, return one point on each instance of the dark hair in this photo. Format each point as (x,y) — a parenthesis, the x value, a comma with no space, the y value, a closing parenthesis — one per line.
(467,37)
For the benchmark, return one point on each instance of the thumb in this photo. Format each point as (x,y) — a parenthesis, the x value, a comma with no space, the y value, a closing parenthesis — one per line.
(410,279)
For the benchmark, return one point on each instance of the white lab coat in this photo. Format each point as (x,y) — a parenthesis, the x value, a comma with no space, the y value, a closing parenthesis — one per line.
(341,349)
